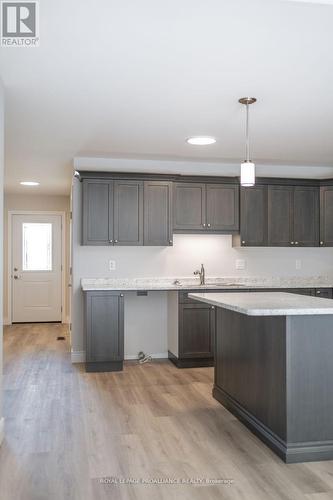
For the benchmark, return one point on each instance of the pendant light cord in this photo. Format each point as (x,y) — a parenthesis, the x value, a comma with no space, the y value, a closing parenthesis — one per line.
(247,147)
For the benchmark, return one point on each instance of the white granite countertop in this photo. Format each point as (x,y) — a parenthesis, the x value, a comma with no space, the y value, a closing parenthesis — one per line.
(267,304)
(188,283)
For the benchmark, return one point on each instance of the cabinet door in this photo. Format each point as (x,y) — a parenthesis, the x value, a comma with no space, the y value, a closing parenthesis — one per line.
(189,207)
(196,331)
(157,213)
(306,216)
(326,216)
(253,216)
(128,212)
(280,216)
(326,293)
(97,217)
(104,327)
(222,207)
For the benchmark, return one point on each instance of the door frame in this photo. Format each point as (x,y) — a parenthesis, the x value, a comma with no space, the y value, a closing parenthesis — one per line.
(9,259)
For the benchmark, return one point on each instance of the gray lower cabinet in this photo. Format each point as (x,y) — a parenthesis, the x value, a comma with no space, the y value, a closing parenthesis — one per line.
(196,335)
(157,227)
(326,216)
(128,212)
(104,330)
(97,212)
(253,216)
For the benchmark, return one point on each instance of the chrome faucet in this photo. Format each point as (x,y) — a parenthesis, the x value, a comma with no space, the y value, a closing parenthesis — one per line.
(201,273)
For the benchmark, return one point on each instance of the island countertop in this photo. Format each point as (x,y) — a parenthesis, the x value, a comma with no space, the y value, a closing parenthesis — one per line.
(267,303)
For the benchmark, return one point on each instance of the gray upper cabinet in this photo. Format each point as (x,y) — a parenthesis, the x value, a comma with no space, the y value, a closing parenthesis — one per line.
(253,217)
(206,207)
(222,202)
(293,216)
(128,212)
(157,213)
(97,227)
(306,216)
(280,211)
(326,216)
(189,206)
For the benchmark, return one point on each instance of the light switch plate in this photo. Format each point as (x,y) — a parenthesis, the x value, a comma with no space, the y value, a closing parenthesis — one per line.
(112,265)
(240,264)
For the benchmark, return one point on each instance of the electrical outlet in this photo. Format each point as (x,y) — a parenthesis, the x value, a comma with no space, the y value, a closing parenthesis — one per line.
(298,264)
(240,264)
(112,265)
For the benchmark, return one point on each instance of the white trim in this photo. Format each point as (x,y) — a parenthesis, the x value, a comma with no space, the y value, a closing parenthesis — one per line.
(2,429)
(158,355)
(80,356)
(63,257)
(6,321)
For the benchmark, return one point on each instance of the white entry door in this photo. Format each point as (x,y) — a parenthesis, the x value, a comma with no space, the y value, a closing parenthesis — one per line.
(36,268)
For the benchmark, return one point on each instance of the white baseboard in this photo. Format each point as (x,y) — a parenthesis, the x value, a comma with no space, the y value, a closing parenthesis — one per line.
(6,321)
(66,320)
(158,355)
(2,429)
(80,356)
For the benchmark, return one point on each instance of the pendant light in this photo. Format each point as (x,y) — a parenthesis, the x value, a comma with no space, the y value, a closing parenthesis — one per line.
(248,176)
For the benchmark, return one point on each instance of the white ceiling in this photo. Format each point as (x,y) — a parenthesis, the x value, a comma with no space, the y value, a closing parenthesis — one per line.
(135,79)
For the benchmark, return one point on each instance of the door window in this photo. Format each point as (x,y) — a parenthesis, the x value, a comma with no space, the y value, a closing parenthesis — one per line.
(37,246)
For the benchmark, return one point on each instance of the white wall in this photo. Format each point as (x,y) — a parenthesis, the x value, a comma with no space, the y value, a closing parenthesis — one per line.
(2,105)
(148,328)
(35,202)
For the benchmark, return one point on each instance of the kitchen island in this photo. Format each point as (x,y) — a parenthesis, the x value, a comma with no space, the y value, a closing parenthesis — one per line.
(274,368)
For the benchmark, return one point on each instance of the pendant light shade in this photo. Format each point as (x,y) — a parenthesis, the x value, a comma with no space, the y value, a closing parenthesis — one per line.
(248,174)
(248,169)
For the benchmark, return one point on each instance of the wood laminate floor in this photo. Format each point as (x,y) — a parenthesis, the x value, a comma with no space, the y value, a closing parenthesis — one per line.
(67,429)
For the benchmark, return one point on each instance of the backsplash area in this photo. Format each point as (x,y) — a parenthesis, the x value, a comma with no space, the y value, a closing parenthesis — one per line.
(214,251)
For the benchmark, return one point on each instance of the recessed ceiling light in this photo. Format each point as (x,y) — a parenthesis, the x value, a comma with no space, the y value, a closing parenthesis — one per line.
(29,183)
(201,141)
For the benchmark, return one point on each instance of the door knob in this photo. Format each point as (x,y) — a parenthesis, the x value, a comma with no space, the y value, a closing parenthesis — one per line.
(15,269)
(16,277)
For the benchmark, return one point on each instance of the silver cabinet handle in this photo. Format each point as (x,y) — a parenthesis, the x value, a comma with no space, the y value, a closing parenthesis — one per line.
(296,242)
(204,225)
(121,295)
(213,307)
(116,241)
(321,242)
(15,269)
(170,242)
(291,242)
(318,292)
(208,225)
(243,242)
(110,241)
(16,277)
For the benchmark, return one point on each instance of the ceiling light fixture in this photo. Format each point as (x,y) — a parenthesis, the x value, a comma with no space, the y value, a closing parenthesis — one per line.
(248,175)
(201,141)
(29,183)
